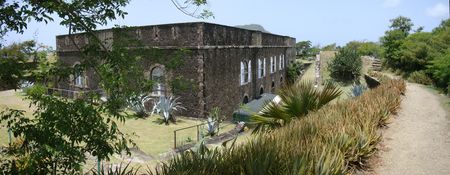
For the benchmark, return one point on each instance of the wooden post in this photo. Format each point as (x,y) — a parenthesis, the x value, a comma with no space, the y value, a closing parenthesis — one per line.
(9,136)
(175,139)
(198,134)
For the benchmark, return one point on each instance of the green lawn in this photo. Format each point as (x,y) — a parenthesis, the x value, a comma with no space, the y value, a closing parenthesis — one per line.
(150,136)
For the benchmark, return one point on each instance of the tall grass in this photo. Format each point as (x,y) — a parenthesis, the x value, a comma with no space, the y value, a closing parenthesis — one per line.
(337,139)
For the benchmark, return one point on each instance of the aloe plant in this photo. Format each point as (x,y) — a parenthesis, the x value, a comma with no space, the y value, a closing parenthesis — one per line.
(137,104)
(166,106)
(357,90)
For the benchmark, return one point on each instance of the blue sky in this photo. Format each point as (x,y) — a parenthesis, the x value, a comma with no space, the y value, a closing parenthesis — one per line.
(321,21)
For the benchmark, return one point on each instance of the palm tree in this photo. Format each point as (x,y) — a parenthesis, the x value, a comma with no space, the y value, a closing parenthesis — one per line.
(296,101)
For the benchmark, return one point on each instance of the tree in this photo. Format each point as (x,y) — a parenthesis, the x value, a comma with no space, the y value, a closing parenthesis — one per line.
(330,47)
(401,23)
(400,28)
(61,132)
(14,62)
(415,52)
(365,48)
(303,48)
(346,66)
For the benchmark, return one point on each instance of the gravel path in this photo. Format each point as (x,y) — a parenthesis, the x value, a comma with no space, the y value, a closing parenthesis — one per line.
(418,139)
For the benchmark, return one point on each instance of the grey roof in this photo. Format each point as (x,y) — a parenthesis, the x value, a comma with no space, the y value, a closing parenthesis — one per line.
(255,105)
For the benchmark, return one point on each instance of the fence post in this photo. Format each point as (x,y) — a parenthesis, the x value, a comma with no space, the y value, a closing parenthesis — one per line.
(98,165)
(198,134)
(175,139)
(9,136)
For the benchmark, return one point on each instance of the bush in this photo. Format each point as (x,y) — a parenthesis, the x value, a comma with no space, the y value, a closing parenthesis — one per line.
(420,77)
(334,140)
(346,66)
(35,90)
(440,70)
(294,70)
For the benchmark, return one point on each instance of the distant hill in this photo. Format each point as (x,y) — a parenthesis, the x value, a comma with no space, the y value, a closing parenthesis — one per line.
(253,27)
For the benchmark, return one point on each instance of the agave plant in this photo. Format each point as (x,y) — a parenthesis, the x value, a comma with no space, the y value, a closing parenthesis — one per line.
(212,124)
(137,104)
(357,90)
(296,101)
(166,106)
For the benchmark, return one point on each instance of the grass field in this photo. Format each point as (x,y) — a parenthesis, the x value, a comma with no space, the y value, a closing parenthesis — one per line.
(150,136)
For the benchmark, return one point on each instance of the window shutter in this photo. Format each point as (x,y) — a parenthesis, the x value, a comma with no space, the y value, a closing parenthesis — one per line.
(249,70)
(242,73)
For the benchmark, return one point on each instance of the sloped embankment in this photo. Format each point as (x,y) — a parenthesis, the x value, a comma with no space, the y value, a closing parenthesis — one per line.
(334,140)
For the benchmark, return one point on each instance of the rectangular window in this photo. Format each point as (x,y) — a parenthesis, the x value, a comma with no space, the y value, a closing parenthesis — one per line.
(261,66)
(273,61)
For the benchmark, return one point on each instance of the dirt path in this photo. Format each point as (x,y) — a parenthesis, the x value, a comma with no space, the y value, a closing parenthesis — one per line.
(418,139)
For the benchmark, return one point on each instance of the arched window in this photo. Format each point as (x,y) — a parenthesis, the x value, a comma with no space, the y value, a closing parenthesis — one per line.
(79,77)
(245,72)
(157,76)
(245,100)
(273,86)
(261,91)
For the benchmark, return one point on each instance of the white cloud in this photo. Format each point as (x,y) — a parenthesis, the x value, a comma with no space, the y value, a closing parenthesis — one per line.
(438,10)
(391,3)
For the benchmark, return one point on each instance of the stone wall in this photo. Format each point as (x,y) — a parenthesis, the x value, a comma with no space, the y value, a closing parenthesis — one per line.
(213,65)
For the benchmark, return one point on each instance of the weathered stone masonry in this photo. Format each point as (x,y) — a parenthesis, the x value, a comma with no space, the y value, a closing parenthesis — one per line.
(214,65)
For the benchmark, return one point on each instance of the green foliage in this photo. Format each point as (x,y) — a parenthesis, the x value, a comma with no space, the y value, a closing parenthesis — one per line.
(61,132)
(440,70)
(13,63)
(303,49)
(121,169)
(420,77)
(401,23)
(366,48)
(334,140)
(296,101)
(346,66)
(35,90)
(415,52)
(294,70)
(330,47)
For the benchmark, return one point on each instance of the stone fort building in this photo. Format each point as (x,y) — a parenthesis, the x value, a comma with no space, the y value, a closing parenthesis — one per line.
(228,65)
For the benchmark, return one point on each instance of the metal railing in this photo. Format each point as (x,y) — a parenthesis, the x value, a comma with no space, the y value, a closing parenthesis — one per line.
(74,94)
(198,133)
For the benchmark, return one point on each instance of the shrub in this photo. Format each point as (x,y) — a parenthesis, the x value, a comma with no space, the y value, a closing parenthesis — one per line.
(420,77)
(346,66)
(334,140)
(35,90)
(440,69)
(294,70)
